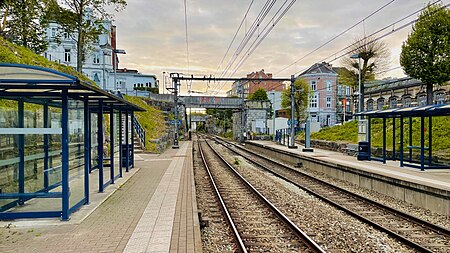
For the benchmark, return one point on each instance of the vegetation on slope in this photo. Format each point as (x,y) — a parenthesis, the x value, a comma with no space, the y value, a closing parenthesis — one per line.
(151,120)
(348,133)
(11,53)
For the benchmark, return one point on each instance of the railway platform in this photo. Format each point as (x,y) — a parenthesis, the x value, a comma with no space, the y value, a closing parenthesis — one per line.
(154,211)
(429,189)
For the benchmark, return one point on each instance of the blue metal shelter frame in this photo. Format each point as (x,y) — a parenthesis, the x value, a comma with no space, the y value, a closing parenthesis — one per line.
(47,87)
(423,112)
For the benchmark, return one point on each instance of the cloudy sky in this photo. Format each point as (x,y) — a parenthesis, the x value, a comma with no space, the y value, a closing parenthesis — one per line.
(153,34)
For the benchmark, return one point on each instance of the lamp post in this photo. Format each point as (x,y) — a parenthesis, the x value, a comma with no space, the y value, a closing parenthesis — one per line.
(115,52)
(362,124)
(360,95)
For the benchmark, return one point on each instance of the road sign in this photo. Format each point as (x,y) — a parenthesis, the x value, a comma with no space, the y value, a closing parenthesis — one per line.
(289,122)
(172,122)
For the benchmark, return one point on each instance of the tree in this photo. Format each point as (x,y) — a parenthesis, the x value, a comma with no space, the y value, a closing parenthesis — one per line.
(85,18)
(300,98)
(425,54)
(374,57)
(24,22)
(259,95)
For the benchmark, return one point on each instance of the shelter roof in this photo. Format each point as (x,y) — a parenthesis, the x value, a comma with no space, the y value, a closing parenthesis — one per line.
(42,85)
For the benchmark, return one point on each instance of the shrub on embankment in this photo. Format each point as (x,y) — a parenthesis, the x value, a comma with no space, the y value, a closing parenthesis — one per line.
(348,133)
(152,120)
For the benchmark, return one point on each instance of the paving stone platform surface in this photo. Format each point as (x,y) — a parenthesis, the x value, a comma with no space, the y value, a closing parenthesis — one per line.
(152,212)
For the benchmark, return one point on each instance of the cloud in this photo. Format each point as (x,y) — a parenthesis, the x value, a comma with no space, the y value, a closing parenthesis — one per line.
(153,33)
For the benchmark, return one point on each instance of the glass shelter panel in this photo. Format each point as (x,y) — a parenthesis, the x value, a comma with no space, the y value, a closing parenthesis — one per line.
(116,144)
(9,155)
(76,151)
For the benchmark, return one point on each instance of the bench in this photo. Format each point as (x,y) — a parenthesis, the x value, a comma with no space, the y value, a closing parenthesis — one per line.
(351,149)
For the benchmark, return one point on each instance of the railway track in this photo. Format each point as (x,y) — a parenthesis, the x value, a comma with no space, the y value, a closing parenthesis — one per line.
(257,225)
(416,233)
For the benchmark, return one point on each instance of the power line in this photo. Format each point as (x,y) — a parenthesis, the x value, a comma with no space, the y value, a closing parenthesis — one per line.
(337,36)
(390,26)
(234,37)
(261,16)
(266,30)
(187,39)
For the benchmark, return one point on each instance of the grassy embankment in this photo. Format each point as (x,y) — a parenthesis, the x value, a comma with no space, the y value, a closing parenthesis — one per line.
(348,133)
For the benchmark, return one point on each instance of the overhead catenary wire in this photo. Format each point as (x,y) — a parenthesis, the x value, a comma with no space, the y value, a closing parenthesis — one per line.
(265,32)
(234,37)
(393,30)
(337,36)
(261,16)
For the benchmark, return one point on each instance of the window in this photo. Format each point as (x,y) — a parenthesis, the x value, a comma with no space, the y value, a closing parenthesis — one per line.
(347,91)
(313,103)
(328,102)
(67,55)
(53,32)
(66,35)
(329,82)
(313,85)
(96,58)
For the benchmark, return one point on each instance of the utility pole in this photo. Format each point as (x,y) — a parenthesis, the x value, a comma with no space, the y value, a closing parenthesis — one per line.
(292,142)
(241,84)
(175,98)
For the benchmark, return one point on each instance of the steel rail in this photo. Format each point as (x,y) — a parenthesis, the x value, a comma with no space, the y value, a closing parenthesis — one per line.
(417,221)
(230,221)
(300,233)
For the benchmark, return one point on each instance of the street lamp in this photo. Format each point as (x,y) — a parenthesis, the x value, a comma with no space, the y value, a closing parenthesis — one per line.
(360,96)
(115,52)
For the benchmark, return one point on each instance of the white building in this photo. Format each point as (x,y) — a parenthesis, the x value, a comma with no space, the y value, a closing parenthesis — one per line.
(62,48)
(130,79)
(99,64)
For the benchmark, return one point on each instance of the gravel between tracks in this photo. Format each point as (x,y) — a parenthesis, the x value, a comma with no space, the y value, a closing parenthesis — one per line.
(442,220)
(216,237)
(333,229)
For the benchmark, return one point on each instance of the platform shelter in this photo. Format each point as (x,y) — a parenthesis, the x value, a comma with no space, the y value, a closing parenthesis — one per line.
(409,147)
(55,130)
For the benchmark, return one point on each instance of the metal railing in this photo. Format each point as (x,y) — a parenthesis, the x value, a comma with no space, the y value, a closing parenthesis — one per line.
(140,131)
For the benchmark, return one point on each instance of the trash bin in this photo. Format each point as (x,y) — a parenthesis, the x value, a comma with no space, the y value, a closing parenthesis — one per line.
(363,150)
(124,155)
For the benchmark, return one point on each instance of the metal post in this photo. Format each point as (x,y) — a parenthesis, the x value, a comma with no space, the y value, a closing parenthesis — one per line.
(273,115)
(361,98)
(21,151)
(175,137)
(65,156)
(127,142)
(384,140)
(132,141)
(422,143)
(369,138)
(401,141)
(111,144)
(115,70)
(292,141)
(87,150)
(410,138)
(46,125)
(242,111)
(100,145)
(393,139)
(430,140)
(120,143)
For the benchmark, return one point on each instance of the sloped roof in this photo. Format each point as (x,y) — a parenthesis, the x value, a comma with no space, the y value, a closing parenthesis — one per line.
(319,68)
